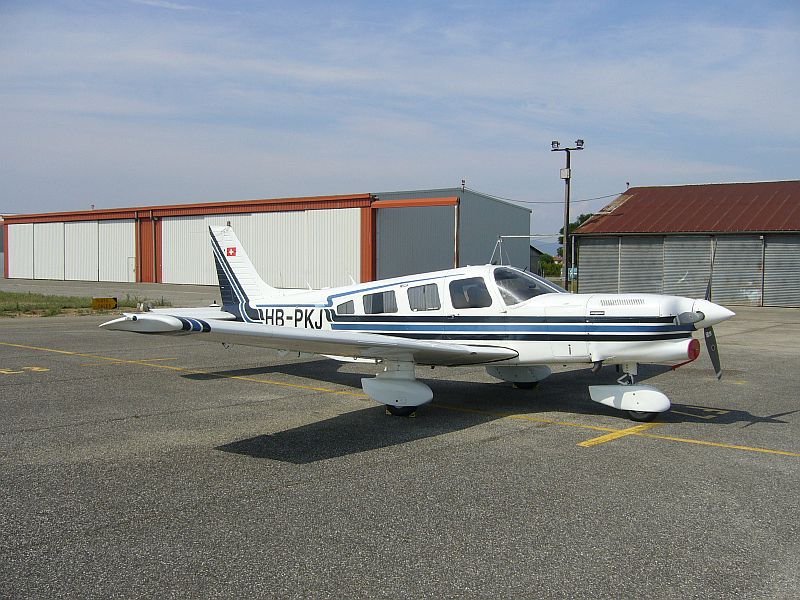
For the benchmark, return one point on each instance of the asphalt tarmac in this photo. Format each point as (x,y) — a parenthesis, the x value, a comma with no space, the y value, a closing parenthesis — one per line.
(136,466)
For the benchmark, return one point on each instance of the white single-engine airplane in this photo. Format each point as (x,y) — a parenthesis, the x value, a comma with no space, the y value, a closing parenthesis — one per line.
(509,320)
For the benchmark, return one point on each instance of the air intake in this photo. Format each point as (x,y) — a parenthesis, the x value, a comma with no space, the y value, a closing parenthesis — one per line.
(621,301)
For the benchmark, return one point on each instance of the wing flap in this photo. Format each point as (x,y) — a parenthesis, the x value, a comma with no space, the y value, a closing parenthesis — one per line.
(317,341)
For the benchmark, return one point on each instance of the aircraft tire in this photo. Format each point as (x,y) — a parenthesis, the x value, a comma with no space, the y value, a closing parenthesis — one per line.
(526,385)
(642,416)
(401,411)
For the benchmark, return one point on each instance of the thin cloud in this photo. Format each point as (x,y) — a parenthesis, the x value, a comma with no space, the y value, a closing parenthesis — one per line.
(167,5)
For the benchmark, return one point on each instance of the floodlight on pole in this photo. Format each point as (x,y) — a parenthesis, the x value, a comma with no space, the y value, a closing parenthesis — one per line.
(566,175)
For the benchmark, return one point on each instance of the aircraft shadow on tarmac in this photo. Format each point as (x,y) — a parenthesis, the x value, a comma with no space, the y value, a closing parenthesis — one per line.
(457,405)
(349,433)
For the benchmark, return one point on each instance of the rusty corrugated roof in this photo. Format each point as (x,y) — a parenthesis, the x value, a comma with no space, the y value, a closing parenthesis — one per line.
(707,208)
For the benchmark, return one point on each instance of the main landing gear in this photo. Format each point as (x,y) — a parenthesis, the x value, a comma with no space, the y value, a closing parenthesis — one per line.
(526,385)
(398,388)
(401,411)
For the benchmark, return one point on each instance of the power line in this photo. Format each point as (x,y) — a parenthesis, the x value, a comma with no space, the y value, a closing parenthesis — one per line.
(544,201)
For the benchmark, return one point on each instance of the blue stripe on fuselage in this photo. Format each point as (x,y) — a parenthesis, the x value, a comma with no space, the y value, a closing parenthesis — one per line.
(511,328)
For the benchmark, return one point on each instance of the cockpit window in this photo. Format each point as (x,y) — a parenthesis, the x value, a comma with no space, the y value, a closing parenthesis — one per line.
(470,293)
(517,286)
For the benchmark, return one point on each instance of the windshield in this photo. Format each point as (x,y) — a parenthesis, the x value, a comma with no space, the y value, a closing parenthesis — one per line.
(517,286)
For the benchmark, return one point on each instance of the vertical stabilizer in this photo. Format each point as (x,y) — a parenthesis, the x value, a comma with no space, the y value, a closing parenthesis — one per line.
(239,284)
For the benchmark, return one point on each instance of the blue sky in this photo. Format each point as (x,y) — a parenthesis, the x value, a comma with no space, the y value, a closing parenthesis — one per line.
(119,103)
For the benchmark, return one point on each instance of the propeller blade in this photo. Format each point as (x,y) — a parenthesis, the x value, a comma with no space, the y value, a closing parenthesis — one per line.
(711,270)
(713,351)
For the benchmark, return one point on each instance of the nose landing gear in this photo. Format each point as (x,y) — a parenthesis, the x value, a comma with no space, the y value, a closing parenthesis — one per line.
(642,403)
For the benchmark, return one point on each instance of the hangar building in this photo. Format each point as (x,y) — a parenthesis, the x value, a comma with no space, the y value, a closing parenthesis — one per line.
(661,239)
(293,242)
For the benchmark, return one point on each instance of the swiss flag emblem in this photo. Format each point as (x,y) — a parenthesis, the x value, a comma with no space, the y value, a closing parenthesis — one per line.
(230,251)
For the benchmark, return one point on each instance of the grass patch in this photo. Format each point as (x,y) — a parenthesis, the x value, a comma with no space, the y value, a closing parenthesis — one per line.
(13,304)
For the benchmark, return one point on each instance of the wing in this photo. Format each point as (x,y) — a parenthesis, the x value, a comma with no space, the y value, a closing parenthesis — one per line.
(316,341)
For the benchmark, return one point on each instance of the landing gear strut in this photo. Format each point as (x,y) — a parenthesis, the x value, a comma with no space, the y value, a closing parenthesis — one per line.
(640,416)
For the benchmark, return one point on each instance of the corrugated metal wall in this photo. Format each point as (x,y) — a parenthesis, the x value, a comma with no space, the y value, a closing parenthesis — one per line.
(687,262)
(117,250)
(744,265)
(413,240)
(81,251)
(598,265)
(48,250)
(737,270)
(482,219)
(782,270)
(320,248)
(20,250)
(641,264)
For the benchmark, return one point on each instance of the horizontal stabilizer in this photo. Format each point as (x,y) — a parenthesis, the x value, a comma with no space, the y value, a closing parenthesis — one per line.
(145,323)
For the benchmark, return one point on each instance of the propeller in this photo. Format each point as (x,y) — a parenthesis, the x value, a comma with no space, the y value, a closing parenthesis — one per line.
(708,332)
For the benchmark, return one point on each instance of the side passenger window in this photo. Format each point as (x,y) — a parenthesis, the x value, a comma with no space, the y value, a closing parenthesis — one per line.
(470,293)
(424,297)
(382,302)
(347,308)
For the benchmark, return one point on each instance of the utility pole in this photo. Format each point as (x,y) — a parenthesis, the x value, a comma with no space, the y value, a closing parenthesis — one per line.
(566,175)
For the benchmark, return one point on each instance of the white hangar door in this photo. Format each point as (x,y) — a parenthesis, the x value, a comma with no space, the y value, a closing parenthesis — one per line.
(291,249)
(782,270)
(414,240)
(81,250)
(304,248)
(116,241)
(48,250)
(20,251)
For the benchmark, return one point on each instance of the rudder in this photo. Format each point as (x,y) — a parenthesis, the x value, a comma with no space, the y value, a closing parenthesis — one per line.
(239,283)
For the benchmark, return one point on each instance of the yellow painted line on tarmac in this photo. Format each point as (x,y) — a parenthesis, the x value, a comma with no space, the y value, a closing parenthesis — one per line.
(670,438)
(639,430)
(618,434)
(184,370)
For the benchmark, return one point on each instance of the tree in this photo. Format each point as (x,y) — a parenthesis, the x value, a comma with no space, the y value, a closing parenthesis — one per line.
(549,267)
(572,227)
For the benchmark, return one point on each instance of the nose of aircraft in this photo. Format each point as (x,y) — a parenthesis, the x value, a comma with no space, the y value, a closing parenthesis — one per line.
(712,313)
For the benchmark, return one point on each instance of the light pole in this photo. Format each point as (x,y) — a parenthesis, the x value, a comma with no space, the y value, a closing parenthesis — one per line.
(566,174)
